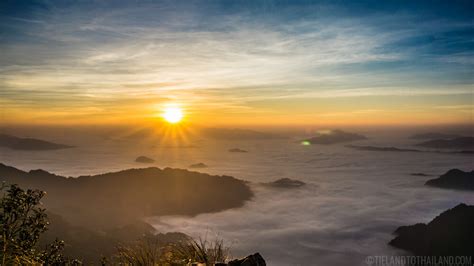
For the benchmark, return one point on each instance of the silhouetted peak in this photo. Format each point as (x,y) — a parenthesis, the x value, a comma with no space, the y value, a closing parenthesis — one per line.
(434,135)
(454,171)
(144,159)
(465,143)
(198,165)
(39,172)
(237,150)
(454,179)
(450,233)
(17,143)
(286,183)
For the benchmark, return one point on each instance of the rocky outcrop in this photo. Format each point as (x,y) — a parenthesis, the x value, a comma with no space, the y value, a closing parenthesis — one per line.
(449,234)
(454,179)
(251,260)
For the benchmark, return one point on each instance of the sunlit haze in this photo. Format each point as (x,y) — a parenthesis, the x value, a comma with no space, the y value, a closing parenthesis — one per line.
(245,63)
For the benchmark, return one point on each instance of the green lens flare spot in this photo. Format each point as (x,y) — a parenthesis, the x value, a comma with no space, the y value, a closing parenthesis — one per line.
(305,143)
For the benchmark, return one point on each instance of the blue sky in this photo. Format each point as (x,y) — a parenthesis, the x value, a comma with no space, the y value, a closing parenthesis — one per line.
(304,61)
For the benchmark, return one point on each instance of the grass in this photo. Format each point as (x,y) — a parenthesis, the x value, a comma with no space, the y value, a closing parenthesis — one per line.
(150,250)
(202,251)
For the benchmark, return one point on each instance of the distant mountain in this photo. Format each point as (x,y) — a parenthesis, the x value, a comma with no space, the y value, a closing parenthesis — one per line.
(238,134)
(449,234)
(395,149)
(464,143)
(334,137)
(373,148)
(464,152)
(286,183)
(30,144)
(198,165)
(454,179)
(419,174)
(90,245)
(144,159)
(432,135)
(115,199)
(237,150)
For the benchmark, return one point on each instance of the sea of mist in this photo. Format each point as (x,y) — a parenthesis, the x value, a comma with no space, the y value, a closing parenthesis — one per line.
(352,202)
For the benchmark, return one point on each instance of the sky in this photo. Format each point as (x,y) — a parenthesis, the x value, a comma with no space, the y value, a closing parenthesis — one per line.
(237,62)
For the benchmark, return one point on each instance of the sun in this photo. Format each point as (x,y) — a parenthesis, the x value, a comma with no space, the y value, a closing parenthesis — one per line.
(173,115)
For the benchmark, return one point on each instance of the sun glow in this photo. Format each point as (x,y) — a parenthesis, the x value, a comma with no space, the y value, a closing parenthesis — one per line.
(173,114)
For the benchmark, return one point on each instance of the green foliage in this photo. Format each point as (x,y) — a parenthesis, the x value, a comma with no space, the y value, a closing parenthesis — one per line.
(21,223)
(53,255)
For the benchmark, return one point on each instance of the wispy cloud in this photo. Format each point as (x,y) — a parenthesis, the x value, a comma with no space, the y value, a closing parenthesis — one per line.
(77,52)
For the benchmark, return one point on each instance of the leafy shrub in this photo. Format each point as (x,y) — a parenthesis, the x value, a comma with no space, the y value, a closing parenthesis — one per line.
(22,221)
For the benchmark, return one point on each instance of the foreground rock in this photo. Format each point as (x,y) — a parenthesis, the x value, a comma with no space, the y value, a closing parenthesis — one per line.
(118,198)
(198,165)
(286,183)
(251,260)
(29,144)
(334,136)
(454,179)
(463,143)
(449,234)
(144,159)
